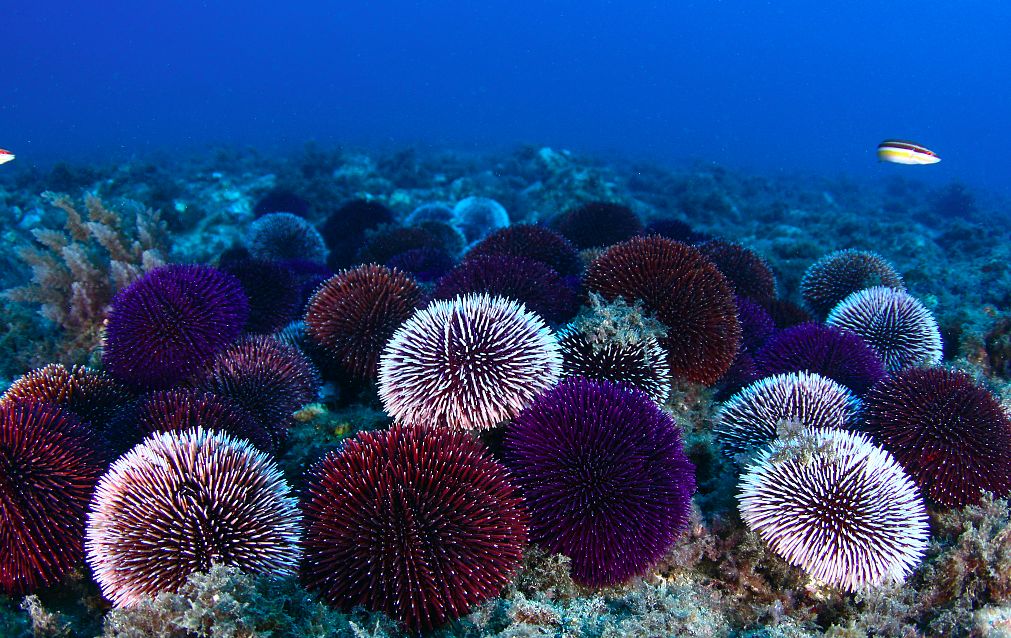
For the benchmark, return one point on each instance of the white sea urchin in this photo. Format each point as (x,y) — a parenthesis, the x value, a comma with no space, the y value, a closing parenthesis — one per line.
(837,506)
(468,363)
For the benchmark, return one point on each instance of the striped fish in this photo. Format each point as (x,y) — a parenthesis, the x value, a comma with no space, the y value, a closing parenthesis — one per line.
(903,152)
(5,156)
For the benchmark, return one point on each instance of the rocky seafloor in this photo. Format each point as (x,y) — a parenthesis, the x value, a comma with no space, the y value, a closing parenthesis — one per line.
(949,243)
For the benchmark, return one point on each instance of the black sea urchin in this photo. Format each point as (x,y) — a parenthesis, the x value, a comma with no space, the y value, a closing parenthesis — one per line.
(48,470)
(265,378)
(951,434)
(183,501)
(896,325)
(282,236)
(467,363)
(838,507)
(639,364)
(354,313)
(598,224)
(685,292)
(604,473)
(419,523)
(842,273)
(170,322)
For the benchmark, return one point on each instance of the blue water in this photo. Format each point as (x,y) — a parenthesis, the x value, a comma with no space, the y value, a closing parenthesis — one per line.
(771,86)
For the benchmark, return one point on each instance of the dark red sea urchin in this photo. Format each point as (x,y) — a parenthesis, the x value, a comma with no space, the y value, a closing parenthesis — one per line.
(48,470)
(531,242)
(92,396)
(170,322)
(604,473)
(468,363)
(265,378)
(182,501)
(182,409)
(749,275)
(354,313)
(421,524)
(685,292)
(951,434)
(533,283)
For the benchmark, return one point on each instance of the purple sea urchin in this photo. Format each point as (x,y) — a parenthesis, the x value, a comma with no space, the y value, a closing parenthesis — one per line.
(639,364)
(531,242)
(756,324)
(531,282)
(469,363)
(283,236)
(685,292)
(951,434)
(170,322)
(274,293)
(598,224)
(750,419)
(49,469)
(896,325)
(425,264)
(749,275)
(842,273)
(90,395)
(354,313)
(419,523)
(838,507)
(605,475)
(265,378)
(829,351)
(182,409)
(182,501)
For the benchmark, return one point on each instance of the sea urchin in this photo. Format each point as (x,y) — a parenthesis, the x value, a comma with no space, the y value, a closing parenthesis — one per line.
(419,523)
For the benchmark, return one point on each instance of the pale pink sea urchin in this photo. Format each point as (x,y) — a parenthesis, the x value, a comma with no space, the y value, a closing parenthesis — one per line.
(837,506)
(181,501)
(469,363)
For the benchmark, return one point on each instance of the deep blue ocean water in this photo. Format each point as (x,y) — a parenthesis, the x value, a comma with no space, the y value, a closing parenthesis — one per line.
(768,86)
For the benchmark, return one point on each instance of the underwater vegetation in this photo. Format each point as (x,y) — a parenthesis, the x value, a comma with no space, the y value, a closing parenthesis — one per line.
(398,395)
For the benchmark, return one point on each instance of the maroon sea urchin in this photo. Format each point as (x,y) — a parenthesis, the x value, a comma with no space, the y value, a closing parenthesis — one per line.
(838,507)
(48,469)
(354,313)
(182,501)
(90,395)
(747,273)
(170,322)
(467,363)
(951,434)
(605,475)
(685,292)
(418,523)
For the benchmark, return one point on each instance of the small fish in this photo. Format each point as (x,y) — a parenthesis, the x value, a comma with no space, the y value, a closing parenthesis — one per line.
(5,156)
(901,152)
